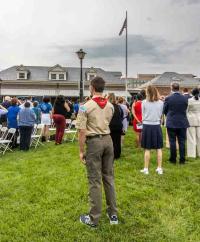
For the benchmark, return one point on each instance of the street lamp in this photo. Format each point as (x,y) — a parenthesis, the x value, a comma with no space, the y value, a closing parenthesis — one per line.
(81,54)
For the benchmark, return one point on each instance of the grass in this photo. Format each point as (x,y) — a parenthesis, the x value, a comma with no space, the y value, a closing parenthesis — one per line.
(43,192)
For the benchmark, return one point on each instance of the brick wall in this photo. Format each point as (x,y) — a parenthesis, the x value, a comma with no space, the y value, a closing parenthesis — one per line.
(164,91)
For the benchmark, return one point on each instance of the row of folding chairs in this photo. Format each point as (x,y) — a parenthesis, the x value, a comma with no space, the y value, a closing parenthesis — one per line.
(7,135)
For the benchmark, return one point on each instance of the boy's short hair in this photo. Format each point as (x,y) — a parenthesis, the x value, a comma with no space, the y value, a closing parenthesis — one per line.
(98,84)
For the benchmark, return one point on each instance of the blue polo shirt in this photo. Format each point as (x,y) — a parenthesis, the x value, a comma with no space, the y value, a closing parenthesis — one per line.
(12,116)
(45,107)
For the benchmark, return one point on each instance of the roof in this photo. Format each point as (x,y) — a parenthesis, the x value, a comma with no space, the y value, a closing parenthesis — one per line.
(168,77)
(40,73)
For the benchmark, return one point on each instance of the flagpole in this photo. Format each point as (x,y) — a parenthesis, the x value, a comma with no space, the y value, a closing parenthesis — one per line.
(126,54)
(125,26)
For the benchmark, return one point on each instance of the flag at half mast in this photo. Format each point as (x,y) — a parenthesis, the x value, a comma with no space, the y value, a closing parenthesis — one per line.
(124,26)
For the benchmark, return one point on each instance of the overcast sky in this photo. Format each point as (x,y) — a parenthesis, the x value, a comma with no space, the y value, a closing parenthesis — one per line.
(164,35)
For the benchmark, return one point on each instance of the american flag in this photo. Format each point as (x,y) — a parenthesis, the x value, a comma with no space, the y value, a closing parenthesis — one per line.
(124,26)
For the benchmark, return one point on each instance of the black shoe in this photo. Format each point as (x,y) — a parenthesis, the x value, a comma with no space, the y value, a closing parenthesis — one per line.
(113,219)
(172,161)
(43,139)
(182,163)
(85,219)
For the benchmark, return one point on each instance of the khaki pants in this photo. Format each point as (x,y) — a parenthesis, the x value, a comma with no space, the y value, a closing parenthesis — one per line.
(99,163)
(193,142)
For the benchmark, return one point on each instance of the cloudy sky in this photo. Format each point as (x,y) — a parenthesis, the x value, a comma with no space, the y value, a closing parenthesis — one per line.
(164,35)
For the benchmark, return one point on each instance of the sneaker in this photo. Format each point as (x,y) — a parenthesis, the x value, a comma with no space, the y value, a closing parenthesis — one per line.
(113,219)
(85,219)
(145,171)
(159,171)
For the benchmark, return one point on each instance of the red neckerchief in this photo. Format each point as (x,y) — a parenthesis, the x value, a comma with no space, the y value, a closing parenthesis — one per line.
(100,101)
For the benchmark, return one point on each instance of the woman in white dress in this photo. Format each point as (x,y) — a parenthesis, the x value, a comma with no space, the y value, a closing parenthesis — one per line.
(193,132)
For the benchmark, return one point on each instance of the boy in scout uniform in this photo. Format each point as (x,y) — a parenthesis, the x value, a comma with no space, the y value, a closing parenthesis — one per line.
(93,124)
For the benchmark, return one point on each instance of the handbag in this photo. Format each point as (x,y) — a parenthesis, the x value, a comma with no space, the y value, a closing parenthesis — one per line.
(139,126)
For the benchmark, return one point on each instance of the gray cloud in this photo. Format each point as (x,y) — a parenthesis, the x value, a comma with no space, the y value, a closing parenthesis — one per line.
(145,53)
(138,46)
(184,2)
(149,19)
(167,34)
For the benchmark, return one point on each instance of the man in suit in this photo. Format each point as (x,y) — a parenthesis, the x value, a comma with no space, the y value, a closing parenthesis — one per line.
(175,107)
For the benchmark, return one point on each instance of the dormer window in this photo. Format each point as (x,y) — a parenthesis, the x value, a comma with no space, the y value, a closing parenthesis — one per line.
(21,75)
(57,73)
(92,73)
(53,77)
(90,76)
(22,72)
(61,76)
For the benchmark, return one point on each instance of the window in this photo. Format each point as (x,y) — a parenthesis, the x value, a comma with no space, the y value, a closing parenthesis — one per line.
(21,75)
(53,76)
(90,76)
(61,76)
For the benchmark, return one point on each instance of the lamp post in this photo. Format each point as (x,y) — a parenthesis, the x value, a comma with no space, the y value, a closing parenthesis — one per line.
(81,54)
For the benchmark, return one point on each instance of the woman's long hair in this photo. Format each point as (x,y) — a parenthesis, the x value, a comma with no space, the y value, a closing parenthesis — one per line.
(112,98)
(195,93)
(152,94)
(60,100)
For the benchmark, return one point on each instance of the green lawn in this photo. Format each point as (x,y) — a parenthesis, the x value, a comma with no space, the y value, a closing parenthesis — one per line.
(43,192)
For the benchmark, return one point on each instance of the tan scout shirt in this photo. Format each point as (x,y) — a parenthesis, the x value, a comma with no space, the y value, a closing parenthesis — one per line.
(94,119)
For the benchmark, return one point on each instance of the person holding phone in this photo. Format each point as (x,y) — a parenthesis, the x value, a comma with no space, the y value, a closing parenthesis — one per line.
(137,115)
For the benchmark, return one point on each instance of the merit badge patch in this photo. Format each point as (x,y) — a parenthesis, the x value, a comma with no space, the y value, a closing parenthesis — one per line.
(82,109)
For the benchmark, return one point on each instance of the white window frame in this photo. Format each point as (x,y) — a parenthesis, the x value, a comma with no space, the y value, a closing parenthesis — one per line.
(52,75)
(57,76)
(89,76)
(63,76)
(22,72)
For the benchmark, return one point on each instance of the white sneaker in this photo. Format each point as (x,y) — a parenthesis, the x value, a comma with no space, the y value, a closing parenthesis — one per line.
(145,171)
(159,171)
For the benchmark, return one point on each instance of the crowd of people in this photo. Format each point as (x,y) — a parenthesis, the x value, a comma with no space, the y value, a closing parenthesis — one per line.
(179,112)
(24,114)
(102,122)
(102,127)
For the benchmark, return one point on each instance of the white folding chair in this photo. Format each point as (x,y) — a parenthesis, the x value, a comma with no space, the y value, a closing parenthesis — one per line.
(71,133)
(52,127)
(3,133)
(4,143)
(34,129)
(68,124)
(35,138)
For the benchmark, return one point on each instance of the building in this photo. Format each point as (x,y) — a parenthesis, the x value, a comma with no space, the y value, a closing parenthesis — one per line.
(163,82)
(134,83)
(42,81)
